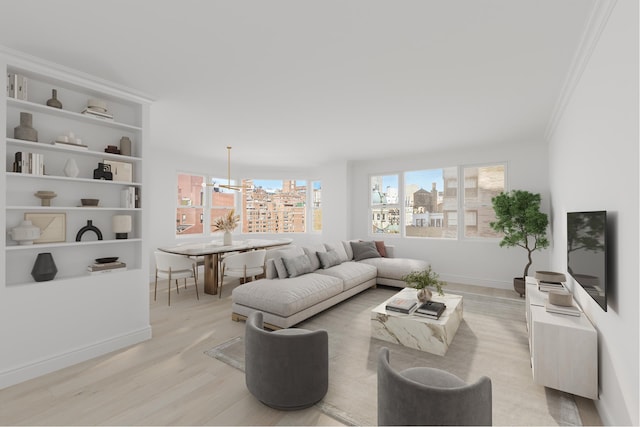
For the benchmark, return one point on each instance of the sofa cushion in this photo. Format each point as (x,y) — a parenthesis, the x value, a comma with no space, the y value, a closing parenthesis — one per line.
(395,268)
(382,250)
(352,273)
(328,259)
(313,257)
(364,250)
(289,296)
(339,248)
(276,256)
(297,265)
(270,269)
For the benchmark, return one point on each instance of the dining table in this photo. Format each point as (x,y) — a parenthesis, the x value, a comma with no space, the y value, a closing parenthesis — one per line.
(213,251)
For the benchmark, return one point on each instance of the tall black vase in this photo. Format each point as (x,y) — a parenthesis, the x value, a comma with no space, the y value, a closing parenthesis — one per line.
(44,269)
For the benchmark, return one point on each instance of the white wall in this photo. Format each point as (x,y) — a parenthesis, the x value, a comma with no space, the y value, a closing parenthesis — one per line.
(593,158)
(462,261)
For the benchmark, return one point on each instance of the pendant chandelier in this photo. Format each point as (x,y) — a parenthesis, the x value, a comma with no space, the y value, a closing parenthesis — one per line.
(228,185)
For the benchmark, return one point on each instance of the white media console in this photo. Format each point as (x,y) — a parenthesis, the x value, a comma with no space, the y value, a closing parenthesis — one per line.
(564,348)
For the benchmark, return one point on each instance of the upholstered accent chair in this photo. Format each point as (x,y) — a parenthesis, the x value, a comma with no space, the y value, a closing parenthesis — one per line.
(287,369)
(429,396)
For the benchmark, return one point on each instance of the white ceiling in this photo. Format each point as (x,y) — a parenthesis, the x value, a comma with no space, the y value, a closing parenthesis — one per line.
(340,78)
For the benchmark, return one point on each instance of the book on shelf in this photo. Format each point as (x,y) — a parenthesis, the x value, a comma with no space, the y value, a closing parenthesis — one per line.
(128,198)
(548,286)
(106,266)
(29,163)
(402,305)
(571,310)
(432,308)
(70,145)
(17,86)
(111,270)
(94,113)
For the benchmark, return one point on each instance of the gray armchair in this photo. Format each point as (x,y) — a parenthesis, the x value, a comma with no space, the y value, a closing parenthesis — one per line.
(287,369)
(429,396)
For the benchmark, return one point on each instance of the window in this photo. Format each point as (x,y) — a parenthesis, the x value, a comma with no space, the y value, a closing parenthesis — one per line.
(316,206)
(190,204)
(222,200)
(431,202)
(274,206)
(428,195)
(482,183)
(384,204)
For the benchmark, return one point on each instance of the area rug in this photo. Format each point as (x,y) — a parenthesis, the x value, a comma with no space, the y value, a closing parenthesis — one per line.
(492,341)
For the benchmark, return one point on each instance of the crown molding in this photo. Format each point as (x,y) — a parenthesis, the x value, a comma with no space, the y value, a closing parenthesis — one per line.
(593,30)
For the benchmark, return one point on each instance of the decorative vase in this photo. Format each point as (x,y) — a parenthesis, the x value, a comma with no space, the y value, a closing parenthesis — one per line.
(103,171)
(125,146)
(25,233)
(44,269)
(45,197)
(25,131)
(89,227)
(227,238)
(424,295)
(71,168)
(53,102)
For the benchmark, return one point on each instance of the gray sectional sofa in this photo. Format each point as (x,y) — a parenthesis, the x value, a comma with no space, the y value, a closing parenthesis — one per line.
(303,281)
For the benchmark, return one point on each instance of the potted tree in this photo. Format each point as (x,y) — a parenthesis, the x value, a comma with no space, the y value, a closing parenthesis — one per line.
(519,219)
(423,280)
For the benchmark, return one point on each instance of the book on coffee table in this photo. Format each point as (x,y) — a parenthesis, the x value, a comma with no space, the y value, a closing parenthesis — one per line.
(431,309)
(402,305)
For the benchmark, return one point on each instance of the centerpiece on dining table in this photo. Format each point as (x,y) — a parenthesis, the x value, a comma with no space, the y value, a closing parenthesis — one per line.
(226,223)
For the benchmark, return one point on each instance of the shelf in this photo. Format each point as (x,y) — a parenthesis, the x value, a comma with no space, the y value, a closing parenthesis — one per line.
(57,148)
(70,208)
(32,106)
(39,246)
(66,178)
(81,277)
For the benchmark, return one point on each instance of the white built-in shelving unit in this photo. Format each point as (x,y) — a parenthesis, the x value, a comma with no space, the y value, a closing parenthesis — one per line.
(89,314)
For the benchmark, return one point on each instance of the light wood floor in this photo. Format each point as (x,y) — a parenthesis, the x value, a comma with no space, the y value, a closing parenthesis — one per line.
(166,380)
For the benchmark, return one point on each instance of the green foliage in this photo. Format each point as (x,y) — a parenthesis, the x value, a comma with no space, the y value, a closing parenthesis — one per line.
(423,279)
(519,219)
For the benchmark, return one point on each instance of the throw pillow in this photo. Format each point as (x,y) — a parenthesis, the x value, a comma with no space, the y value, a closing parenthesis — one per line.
(313,257)
(271,272)
(339,248)
(280,268)
(329,258)
(297,266)
(381,248)
(364,250)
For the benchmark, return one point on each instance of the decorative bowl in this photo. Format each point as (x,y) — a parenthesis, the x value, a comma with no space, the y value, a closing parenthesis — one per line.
(106,259)
(90,202)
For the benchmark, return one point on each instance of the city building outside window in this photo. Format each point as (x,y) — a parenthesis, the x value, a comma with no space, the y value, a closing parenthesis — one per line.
(222,200)
(190,204)
(384,207)
(482,183)
(274,206)
(316,206)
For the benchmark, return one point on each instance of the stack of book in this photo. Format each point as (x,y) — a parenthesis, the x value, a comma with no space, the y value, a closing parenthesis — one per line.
(29,163)
(69,144)
(562,309)
(402,305)
(98,113)
(549,286)
(106,267)
(431,309)
(17,86)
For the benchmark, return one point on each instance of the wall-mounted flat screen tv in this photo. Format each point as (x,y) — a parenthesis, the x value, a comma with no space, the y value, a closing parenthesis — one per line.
(587,252)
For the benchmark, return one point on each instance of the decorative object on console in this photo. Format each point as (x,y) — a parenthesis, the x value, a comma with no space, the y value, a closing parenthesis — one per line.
(422,280)
(54,102)
(44,268)
(89,227)
(550,276)
(25,233)
(53,226)
(519,219)
(226,223)
(71,168)
(125,146)
(121,225)
(25,130)
(89,202)
(45,197)
(103,171)
(560,297)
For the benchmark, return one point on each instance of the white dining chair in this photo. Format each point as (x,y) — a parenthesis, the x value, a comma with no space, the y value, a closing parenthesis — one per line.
(242,265)
(174,267)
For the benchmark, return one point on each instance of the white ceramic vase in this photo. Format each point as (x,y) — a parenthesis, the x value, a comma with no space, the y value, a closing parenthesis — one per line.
(71,168)
(226,240)
(25,233)
(424,295)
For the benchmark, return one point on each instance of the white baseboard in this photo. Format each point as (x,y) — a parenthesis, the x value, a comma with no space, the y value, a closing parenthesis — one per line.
(464,280)
(63,360)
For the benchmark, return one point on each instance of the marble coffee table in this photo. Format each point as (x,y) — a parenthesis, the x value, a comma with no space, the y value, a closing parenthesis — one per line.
(419,332)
